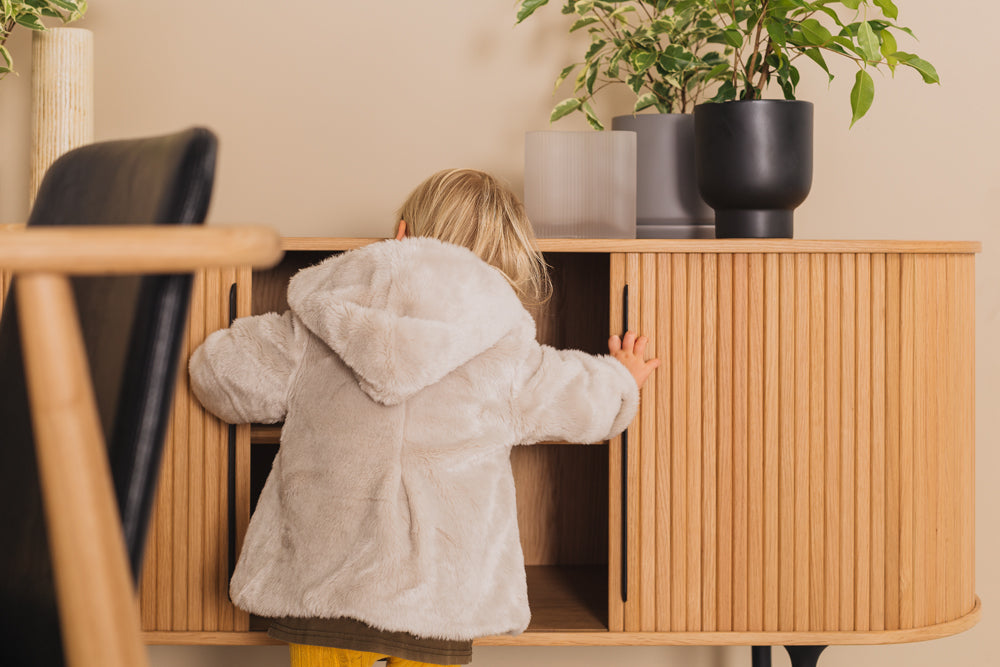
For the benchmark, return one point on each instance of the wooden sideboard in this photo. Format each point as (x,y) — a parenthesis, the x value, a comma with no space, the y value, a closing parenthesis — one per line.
(800,471)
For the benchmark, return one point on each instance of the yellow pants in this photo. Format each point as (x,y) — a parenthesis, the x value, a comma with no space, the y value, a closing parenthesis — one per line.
(321,656)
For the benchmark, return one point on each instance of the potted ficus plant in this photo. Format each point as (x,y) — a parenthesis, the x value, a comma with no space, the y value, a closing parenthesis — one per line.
(754,156)
(668,53)
(29,15)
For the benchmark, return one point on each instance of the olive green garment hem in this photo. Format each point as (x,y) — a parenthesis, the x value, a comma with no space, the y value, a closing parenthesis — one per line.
(347,633)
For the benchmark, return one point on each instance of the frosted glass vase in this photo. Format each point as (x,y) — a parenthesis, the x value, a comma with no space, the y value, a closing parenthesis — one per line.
(580,184)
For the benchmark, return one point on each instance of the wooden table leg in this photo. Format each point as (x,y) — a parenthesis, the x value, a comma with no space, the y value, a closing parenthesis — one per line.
(96,598)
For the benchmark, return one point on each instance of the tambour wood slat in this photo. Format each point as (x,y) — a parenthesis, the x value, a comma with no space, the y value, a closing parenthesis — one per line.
(879,289)
(679,444)
(164,526)
(802,352)
(147,580)
(741,492)
(755,444)
(633,609)
(966,405)
(646,426)
(922,420)
(784,353)
(196,580)
(771,439)
(694,441)
(907,448)
(943,443)
(709,511)
(179,552)
(662,334)
(862,463)
(848,340)
(663,444)
(831,489)
(893,433)
(212,439)
(616,609)
(817,453)
(726,440)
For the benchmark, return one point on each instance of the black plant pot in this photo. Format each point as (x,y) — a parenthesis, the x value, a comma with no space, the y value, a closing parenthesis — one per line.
(754,164)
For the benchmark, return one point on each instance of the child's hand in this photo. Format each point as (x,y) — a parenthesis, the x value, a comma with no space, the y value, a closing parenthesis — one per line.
(630,352)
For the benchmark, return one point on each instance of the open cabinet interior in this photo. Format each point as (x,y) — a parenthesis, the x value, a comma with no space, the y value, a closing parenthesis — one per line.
(562,489)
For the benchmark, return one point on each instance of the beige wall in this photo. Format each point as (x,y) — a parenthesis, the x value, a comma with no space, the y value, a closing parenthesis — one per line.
(327,118)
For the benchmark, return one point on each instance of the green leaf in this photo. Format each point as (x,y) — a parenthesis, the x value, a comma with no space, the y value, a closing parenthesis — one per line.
(582,23)
(29,21)
(644,102)
(733,37)
(851,4)
(636,82)
(594,49)
(565,73)
(888,48)
(528,8)
(674,58)
(70,6)
(619,14)
(869,43)
(592,117)
(591,79)
(816,56)
(926,70)
(564,108)
(642,60)
(815,33)
(776,31)
(888,8)
(5,54)
(725,93)
(862,95)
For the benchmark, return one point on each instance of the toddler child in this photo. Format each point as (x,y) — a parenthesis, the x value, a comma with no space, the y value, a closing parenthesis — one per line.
(404,373)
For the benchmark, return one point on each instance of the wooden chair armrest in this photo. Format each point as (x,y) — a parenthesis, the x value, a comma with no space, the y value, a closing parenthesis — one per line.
(135,249)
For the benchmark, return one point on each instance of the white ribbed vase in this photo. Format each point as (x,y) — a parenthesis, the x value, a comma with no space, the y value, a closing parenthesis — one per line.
(62,101)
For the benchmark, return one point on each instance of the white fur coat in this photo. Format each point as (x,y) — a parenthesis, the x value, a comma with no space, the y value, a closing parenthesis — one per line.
(404,373)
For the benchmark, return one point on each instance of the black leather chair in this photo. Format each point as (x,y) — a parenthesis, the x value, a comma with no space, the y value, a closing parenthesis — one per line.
(133,329)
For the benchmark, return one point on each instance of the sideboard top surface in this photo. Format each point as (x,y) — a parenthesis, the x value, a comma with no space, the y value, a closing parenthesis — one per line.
(685,246)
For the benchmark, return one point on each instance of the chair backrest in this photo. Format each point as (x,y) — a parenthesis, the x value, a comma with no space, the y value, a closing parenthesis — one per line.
(133,330)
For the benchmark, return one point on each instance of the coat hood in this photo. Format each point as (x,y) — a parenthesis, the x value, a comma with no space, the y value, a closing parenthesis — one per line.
(403,314)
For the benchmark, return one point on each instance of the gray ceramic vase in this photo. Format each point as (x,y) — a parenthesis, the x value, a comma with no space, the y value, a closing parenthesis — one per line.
(668,204)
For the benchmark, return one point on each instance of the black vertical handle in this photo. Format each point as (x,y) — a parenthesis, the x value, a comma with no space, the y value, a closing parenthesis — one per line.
(624,501)
(231,473)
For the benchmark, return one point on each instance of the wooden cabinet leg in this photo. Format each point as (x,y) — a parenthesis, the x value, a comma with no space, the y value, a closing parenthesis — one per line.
(760,656)
(804,656)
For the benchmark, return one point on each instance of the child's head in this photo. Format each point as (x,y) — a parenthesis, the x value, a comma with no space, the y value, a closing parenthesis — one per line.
(472,209)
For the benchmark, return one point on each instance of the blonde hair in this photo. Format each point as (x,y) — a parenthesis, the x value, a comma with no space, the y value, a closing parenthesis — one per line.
(473,209)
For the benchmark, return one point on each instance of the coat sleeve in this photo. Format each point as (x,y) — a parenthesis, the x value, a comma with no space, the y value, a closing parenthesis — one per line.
(242,374)
(572,396)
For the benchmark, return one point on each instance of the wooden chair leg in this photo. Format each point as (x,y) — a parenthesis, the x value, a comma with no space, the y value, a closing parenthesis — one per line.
(96,598)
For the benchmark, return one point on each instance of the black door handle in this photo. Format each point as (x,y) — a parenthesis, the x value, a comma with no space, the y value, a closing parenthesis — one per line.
(624,500)
(231,491)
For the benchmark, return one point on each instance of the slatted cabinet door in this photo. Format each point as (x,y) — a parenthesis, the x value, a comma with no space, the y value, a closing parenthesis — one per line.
(800,457)
(185,579)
